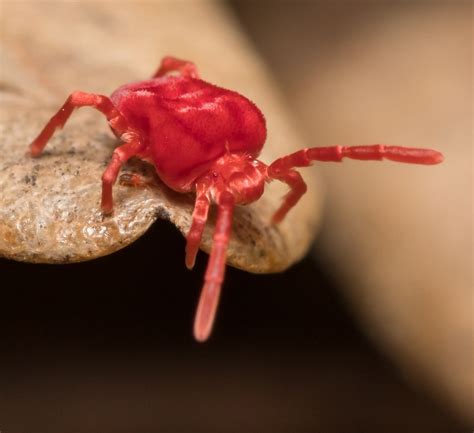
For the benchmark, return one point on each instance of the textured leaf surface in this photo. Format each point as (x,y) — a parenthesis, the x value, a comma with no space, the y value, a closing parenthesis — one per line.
(49,206)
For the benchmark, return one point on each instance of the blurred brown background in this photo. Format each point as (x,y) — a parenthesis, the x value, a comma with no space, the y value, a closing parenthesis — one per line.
(371,333)
(398,238)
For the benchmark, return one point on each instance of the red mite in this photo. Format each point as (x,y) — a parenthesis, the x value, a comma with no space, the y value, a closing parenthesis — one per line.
(205,139)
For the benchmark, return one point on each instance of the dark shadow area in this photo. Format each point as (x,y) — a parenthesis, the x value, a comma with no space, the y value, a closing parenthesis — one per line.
(107,346)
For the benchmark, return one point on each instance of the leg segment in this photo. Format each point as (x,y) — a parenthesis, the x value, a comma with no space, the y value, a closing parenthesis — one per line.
(171,64)
(76,100)
(297,189)
(121,155)
(210,294)
(201,209)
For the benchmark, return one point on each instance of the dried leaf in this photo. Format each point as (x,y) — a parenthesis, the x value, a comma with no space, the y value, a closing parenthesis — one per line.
(49,207)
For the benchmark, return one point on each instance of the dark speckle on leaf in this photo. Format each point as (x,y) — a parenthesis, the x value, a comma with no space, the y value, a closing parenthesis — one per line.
(30,180)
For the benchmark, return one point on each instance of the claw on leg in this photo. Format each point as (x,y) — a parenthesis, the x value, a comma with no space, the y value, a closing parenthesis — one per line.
(210,294)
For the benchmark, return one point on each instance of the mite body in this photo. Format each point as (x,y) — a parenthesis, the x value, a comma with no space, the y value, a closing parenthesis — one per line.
(205,139)
(187,124)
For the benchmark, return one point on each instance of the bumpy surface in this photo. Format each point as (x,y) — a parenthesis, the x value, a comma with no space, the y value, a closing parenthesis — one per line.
(41,66)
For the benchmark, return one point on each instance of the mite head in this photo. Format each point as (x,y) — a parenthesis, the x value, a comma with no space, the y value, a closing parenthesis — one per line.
(240,174)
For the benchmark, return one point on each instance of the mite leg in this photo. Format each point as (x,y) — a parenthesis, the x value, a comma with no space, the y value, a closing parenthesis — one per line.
(282,168)
(201,209)
(376,152)
(171,64)
(76,100)
(210,293)
(120,156)
(297,188)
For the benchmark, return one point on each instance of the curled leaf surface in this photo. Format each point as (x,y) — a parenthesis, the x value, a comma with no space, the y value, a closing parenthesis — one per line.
(49,206)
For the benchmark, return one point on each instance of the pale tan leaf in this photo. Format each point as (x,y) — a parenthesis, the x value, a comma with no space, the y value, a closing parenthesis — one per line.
(49,206)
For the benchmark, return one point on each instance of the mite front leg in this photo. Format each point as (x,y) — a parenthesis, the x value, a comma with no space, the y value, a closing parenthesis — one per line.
(375,152)
(201,209)
(282,168)
(76,100)
(207,307)
(120,156)
(171,64)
